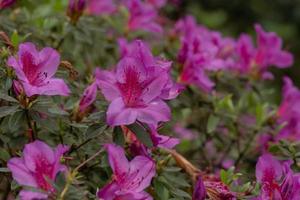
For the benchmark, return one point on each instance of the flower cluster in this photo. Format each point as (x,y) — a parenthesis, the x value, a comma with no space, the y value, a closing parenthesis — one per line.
(204,51)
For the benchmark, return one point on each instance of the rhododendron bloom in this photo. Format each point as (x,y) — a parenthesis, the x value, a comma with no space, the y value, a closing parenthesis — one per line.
(88,97)
(277,179)
(36,168)
(142,16)
(202,51)
(6,3)
(137,87)
(100,7)
(268,53)
(35,70)
(130,178)
(289,112)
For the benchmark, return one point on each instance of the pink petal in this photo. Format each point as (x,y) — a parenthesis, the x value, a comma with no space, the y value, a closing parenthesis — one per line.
(118,114)
(268,169)
(117,160)
(20,172)
(156,111)
(108,191)
(154,89)
(49,61)
(88,97)
(58,154)
(142,170)
(30,195)
(107,83)
(12,62)
(53,87)
(35,151)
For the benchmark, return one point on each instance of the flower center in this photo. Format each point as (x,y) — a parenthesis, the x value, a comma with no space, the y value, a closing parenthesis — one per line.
(44,173)
(32,70)
(132,88)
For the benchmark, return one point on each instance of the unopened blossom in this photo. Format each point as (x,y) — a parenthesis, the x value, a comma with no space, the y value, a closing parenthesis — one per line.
(75,9)
(38,165)
(35,70)
(130,178)
(142,16)
(277,179)
(199,190)
(202,51)
(18,88)
(101,7)
(257,60)
(137,87)
(88,97)
(289,112)
(6,3)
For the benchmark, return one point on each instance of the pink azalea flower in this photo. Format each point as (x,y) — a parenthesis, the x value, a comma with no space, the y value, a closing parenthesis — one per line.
(277,180)
(88,97)
(100,7)
(137,87)
(289,112)
(130,178)
(202,51)
(6,3)
(268,53)
(35,70)
(142,16)
(36,167)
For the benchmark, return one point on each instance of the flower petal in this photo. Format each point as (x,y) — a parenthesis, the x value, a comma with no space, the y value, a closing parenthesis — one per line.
(118,114)
(117,160)
(20,172)
(49,60)
(142,170)
(36,150)
(156,111)
(53,87)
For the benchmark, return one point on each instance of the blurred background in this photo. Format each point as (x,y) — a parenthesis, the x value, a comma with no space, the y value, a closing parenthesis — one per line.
(233,17)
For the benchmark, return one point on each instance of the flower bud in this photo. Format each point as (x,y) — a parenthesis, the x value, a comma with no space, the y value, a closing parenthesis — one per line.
(75,9)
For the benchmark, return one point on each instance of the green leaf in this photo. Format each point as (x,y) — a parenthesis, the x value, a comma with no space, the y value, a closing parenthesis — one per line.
(95,130)
(7,97)
(118,136)
(15,39)
(16,120)
(212,123)
(162,193)
(4,155)
(57,111)
(141,133)
(8,110)
(224,176)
